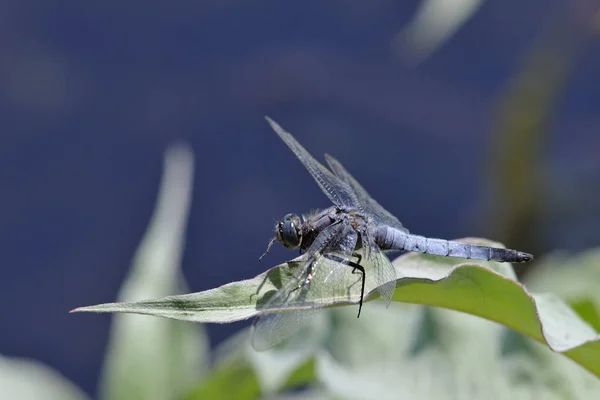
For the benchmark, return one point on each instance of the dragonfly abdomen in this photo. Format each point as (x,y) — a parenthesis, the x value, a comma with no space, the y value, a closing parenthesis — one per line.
(388,238)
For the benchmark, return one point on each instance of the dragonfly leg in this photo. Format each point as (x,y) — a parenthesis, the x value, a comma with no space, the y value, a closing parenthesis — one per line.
(355,267)
(357,255)
(361,269)
(306,281)
(261,285)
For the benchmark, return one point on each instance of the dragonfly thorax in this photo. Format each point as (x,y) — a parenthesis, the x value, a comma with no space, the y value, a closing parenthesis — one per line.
(289,231)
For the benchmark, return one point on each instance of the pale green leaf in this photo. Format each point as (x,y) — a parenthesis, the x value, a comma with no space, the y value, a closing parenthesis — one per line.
(576,279)
(484,289)
(25,379)
(275,366)
(238,369)
(415,352)
(150,358)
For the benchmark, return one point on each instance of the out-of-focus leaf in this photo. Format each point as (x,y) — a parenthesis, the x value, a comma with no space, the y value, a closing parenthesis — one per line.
(520,125)
(575,279)
(434,24)
(303,375)
(24,379)
(308,394)
(237,377)
(413,352)
(235,380)
(492,293)
(277,366)
(285,366)
(485,289)
(151,358)
(588,311)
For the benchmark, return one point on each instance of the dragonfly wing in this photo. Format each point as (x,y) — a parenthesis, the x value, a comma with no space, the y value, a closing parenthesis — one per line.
(279,321)
(366,204)
(297,302)
(271,329)
(383,271)
(336,189)
(320,280)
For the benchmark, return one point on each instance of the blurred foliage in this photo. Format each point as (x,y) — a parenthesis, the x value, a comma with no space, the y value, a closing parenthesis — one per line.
(435,23)
(151,358)
(24,379)
(575,278)
(521,132)
(147,358)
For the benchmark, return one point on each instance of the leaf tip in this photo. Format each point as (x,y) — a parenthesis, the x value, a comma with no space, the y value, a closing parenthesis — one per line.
(96,309)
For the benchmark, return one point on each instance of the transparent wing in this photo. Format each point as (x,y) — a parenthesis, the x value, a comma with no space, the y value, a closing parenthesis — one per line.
(366,204)
(384,273)
(319,281)
(271,329)
(336,190)
(296,303)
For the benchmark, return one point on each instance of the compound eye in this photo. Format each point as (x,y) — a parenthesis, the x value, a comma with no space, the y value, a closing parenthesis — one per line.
(289,231)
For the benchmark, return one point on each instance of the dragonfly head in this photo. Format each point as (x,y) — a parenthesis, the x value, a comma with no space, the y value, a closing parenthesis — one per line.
(288,231)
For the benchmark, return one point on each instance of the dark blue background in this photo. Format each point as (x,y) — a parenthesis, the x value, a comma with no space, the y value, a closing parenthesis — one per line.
(93,92)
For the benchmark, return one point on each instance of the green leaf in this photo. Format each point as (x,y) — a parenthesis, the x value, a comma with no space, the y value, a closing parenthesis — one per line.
(576,279)
(308,394)
(151,358)
(228,303)
(485,289)
(410,351)
(588,311)
(237,376)
(285,366)
(31,380)
(490,291)
(277,367)
(235,380)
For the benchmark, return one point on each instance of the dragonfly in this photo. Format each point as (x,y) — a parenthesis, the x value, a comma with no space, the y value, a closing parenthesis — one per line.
(335,243)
